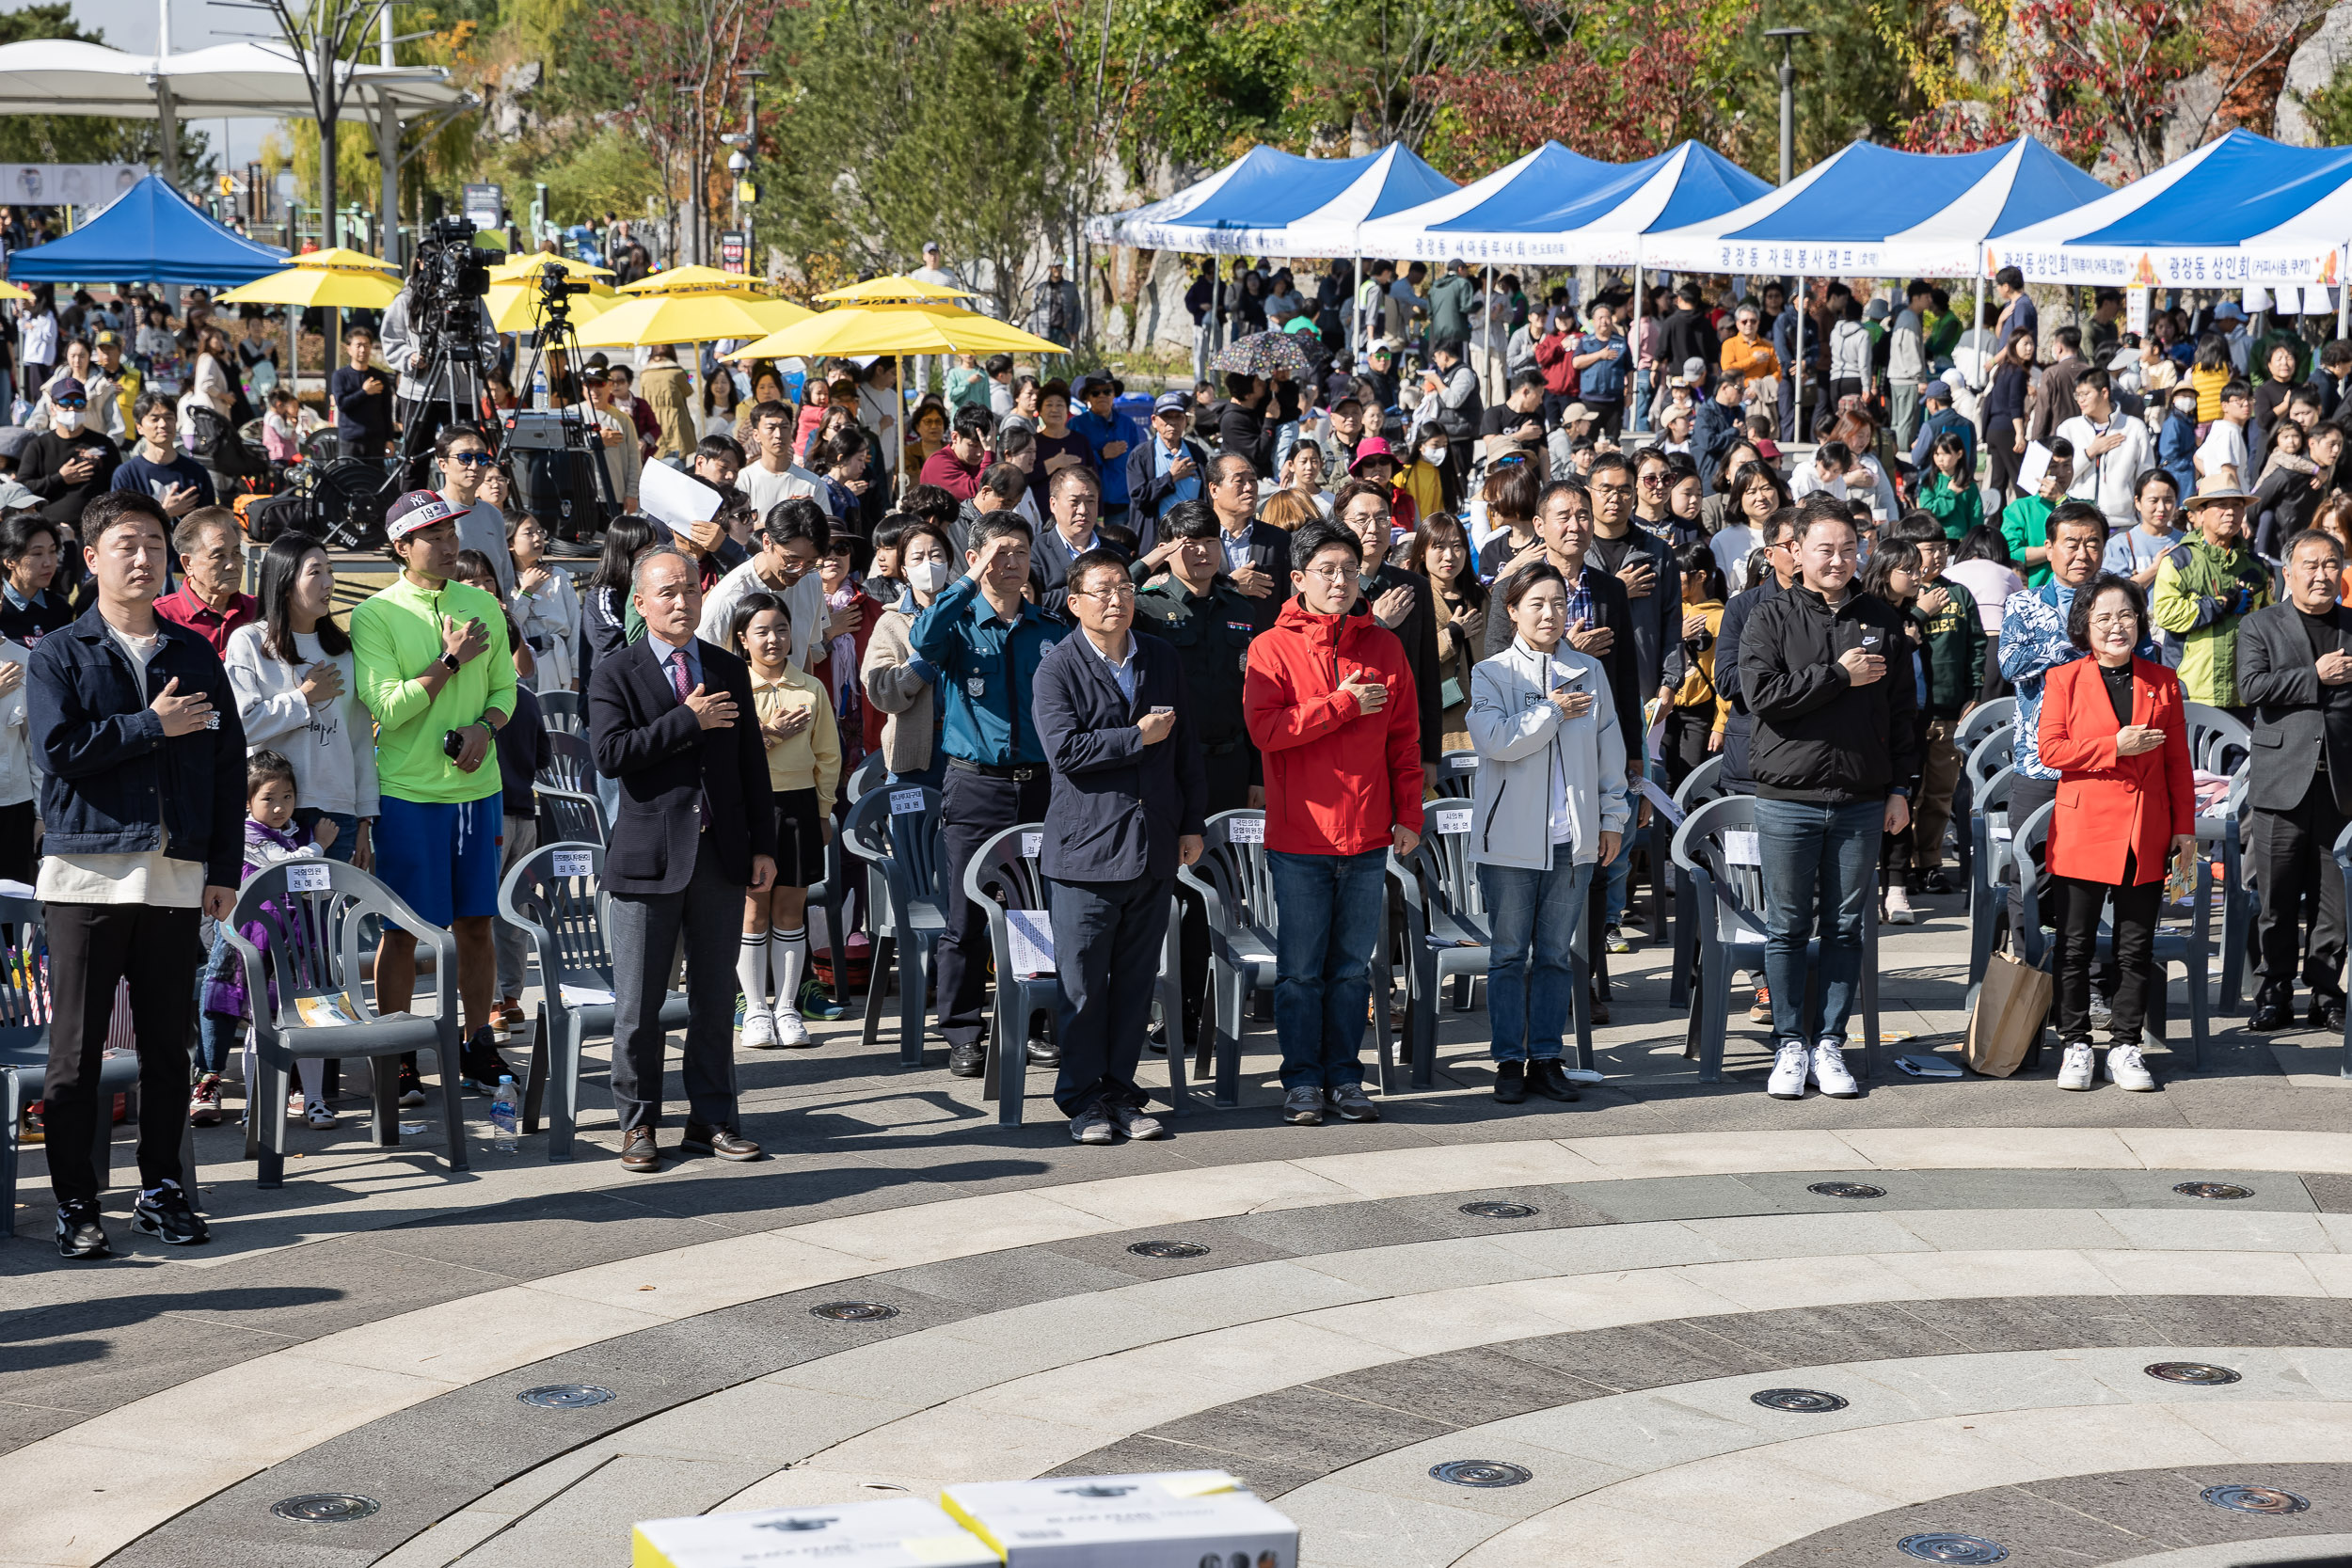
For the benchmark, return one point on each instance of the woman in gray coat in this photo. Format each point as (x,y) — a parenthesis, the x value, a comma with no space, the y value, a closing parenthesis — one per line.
(1550,804)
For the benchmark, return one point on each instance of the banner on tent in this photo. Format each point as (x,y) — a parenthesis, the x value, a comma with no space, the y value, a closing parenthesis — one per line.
(2148,267)
(67,184)
(1573,247)
(1769,256)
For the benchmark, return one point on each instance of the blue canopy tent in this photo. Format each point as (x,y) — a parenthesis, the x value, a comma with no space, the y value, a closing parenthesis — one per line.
(1558,206)
(1273,203)
(150,234)
(2240,212)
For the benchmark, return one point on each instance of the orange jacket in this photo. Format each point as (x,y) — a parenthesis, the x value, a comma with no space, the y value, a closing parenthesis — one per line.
(1337,780)
(2108,805)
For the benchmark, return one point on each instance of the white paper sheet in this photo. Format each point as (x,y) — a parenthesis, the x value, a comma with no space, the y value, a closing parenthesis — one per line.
(676,499)
(2031,467)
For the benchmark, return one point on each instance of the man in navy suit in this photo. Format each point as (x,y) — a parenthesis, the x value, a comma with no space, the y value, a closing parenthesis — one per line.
(1128,794)
(670,718)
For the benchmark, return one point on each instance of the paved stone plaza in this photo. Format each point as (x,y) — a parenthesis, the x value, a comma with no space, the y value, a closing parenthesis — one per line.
(1334,1325)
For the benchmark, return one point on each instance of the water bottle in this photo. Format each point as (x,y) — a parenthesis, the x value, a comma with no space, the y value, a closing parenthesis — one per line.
(505,1117)
(539,386)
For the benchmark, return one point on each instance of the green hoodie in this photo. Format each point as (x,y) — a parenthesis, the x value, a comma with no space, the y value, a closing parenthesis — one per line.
(1955,647)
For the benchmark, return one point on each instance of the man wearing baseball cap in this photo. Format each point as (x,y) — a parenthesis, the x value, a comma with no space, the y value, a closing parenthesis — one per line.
(1169,466)
(431,662)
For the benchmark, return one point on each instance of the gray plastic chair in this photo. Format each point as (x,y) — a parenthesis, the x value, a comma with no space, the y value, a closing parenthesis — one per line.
(569,816)
(905,846)
(565,712)
(1237,891)
(570,764)
(1990,875)
(1982,721)
(555,894)
(24,1054)
(1702,783)
(311,912)
(1994,750)
(2343,868)
(1731,932)
(1457,776)
(1002,876)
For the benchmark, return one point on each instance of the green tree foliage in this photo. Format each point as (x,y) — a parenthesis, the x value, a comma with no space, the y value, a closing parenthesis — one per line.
(1856,77)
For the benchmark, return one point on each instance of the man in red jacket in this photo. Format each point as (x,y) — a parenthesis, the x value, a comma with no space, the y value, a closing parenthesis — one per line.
(1329,702)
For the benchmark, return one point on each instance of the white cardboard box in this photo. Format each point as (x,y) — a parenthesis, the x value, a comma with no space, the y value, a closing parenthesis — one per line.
(1180,1519)
(894,1532)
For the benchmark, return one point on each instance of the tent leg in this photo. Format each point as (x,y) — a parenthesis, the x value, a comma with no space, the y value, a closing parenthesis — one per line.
(1796,412)
(2344,299)
(899,421)
(1357,340)
(1976,326)
(1640,419)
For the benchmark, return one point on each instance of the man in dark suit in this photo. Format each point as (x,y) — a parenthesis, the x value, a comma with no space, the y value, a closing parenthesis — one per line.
(1169,467)
(1399,600)
(1257,555)
(2295,668)
(1074,501)
(1127,802)
(670,718)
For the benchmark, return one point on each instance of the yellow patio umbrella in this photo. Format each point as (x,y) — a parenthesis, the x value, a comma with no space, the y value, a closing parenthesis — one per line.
(696,279)
(895,288)
(9,291)
(304,287)
(896,329)
(343,259)
(697,318)
(530,263)
(515,307)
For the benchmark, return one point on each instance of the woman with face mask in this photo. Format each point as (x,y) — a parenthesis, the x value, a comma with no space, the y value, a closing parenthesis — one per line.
(895,682)
(1429,478)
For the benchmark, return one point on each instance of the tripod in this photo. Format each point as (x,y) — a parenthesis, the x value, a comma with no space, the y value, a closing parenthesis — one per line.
(561,440)
(449,358)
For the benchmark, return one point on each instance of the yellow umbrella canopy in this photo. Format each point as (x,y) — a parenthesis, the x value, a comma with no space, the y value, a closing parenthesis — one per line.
(528,265)
(695,318)
(897,328)
(679,280)
(11,291)
(345,289)
(515,307)
(776,315)
(894,290)
(342,259)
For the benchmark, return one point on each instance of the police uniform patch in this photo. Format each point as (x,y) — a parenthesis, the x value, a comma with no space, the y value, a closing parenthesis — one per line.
(976,684)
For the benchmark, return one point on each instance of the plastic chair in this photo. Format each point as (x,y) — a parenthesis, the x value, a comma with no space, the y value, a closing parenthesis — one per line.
(2241,889)
(1990,872)
(1457,776)
(1232,879)
(1982,721)
(1993,750)
(570,815)
(311,969)
(565,712)
(2186,945)
(906,846)
(555,896)
(2343,868)
(2216,742)
(868,775)
(1705,783)
(25,1053)
(571,765)
(1730,905)
(1447,933)
(1003,878)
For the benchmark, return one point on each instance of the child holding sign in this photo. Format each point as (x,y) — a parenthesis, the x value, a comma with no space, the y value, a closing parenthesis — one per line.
(804,770)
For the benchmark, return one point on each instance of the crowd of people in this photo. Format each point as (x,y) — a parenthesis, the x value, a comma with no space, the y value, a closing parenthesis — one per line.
(1509,536)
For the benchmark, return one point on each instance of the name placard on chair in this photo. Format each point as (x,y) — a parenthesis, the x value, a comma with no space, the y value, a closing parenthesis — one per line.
(1246,829)
(1739,847)
(1452,820)
(573,862)
(308,878)
(1032,934)
(905,800)
(1031,843)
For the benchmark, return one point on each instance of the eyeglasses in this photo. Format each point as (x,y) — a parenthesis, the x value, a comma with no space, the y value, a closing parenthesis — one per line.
(2107,622)
(472,459)
(1612,490)
(1119,594)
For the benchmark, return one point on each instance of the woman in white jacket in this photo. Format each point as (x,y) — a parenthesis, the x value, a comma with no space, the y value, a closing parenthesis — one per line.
(1549,806)
(292,674)
(545,606)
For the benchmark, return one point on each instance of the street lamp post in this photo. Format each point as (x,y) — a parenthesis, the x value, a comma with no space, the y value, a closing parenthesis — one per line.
(1788,36)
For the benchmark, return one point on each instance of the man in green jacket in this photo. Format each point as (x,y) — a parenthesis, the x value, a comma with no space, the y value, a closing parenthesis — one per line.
(2206,586)
(431,662)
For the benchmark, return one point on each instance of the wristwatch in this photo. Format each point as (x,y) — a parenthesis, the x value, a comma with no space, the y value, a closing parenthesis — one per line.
(450,663)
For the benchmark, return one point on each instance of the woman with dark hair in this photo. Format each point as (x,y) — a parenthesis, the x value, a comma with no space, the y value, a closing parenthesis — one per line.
(1695,729)
(2010,373)
(1949,492)
(1508,492)
(1756,492)
(604,610)
(1717,510)
(2114,728)
(1439,550)
(897,683)
(30,605)
(292,673)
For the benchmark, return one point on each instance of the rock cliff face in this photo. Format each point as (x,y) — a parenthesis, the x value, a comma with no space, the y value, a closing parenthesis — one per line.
(2312,68)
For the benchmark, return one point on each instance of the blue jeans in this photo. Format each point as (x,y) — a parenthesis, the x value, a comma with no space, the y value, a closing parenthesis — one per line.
(1637,417)
(1532,918)
(1329,910)
(1619,872)
(1824,859)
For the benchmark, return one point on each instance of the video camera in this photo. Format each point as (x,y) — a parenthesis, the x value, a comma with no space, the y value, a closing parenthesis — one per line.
(451,276)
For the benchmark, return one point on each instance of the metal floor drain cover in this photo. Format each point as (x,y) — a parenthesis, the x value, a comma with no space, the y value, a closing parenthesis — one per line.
(2213,1190)
(1500,1211)
(1169,1249)
(853,1311)
(1481,1472)
(324,1508)
(565,1396)
(2255,1499)
(2203,1375)
(1847,1189)
(1945,1546)
(1811,1402)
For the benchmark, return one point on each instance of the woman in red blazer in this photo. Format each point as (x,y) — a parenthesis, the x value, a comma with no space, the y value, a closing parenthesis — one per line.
(2113,727)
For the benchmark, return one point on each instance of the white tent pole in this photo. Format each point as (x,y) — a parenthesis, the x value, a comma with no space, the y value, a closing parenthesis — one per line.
(2344,297)
(1355,309)
(1641,319)
(1795,414)
(1976,326)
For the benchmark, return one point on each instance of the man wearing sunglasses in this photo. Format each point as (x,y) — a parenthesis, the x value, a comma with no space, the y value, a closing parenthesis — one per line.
(463,460)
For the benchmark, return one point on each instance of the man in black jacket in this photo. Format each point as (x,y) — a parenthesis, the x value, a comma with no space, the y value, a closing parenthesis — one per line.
(1169,467)
(1653,586)
(1835,757)
(1399,600)
(1126,809)
(1687,333)
(1254,411)
(141,759)
(2294,668)
(1782,553)
(1257,555)
(1073,500)
(670,718)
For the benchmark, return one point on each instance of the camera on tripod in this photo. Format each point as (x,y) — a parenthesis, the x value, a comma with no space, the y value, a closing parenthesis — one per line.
(452,275)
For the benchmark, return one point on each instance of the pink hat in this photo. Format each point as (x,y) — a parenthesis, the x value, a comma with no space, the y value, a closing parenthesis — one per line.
(1368,449)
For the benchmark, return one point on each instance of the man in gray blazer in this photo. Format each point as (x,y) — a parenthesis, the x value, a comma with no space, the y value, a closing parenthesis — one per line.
(2295,671)
(670,718)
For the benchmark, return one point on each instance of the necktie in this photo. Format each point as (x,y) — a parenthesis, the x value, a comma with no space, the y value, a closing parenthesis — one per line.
(684,683)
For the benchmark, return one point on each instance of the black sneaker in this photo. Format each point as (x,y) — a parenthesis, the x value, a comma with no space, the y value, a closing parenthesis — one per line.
(79,1234)
(1511,1082)
(165,1214)
(484,1066)
(411,1087)
(1549,1078)
(1938,882)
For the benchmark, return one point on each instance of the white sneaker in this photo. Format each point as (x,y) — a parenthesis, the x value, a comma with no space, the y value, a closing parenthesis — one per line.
(2126,1070)
(1829,1072)
(1788,1080)
(759,1032)
(2075,1071)
(788,1027)
(317,1114)
(1898,910)
(295,1103)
